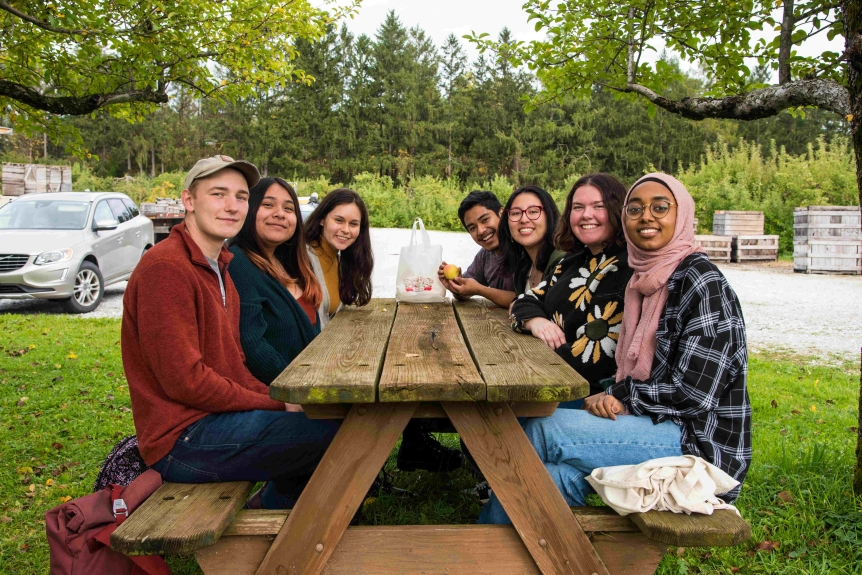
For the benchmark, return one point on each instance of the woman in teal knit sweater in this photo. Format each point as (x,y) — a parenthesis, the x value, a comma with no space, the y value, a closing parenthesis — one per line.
(279,294)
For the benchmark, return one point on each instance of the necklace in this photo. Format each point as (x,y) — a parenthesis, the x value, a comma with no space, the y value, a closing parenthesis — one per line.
(532,277)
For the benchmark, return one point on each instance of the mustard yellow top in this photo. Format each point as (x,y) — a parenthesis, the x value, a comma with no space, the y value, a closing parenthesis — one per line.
(329,263)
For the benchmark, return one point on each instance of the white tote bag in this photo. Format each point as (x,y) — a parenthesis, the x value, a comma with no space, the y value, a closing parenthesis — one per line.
(417,280)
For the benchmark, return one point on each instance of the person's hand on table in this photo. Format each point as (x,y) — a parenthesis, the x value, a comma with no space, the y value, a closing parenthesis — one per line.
(464,287)
(293,407)
(547,331)
(604,405)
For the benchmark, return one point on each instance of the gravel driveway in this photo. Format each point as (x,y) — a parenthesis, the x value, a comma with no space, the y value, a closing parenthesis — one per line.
(812,314)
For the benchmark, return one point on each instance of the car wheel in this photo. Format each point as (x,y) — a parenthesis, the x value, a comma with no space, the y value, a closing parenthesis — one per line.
(89,287)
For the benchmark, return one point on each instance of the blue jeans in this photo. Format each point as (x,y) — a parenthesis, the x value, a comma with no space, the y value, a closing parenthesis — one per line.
(251,446)
(571,443)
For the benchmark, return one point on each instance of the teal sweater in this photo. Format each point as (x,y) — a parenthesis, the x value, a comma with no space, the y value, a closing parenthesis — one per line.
(273,327)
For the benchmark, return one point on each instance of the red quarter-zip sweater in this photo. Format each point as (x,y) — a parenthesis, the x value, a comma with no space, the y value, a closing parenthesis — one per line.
(181,348)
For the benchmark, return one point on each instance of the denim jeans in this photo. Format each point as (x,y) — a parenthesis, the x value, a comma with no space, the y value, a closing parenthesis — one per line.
(276,446)
(572,442)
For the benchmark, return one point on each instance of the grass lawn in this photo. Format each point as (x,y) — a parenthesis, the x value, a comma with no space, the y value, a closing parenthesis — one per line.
(64,403)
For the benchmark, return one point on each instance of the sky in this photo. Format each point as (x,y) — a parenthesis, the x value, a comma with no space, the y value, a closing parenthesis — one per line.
(439,18)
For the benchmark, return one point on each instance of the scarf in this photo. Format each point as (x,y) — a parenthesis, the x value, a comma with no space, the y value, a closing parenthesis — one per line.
(647,293)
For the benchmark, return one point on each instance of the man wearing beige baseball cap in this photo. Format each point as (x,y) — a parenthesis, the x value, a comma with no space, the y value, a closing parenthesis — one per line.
(199,414)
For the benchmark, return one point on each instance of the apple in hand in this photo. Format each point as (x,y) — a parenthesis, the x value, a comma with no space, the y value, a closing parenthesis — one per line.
(450,271)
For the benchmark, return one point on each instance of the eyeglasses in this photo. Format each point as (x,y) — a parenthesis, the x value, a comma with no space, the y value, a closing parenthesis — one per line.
(533,213)
(658,209)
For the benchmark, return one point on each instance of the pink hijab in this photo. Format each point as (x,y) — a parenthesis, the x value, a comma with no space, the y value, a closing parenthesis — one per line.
(646,292)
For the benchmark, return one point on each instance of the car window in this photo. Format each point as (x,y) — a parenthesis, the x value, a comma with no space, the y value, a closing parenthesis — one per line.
(120,210)
(103,212)
(133,209)
(44,215)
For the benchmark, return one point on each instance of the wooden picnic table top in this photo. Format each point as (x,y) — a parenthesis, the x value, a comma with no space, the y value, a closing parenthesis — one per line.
(389,352)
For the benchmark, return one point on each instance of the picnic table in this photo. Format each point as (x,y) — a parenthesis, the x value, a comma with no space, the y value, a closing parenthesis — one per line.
(377,367)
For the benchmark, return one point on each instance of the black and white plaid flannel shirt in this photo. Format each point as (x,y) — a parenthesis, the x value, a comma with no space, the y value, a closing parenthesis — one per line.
(698,377)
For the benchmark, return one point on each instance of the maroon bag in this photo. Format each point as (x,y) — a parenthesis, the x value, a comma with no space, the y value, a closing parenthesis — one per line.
(79,531)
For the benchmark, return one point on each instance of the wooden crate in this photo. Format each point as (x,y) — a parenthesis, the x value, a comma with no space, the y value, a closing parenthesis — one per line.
(13,188)
(718,248)
(13,179)
(827,239)
(734,223)
(754,248)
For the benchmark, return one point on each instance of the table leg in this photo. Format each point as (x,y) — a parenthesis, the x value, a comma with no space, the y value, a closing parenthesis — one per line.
(517,476)
(336,489)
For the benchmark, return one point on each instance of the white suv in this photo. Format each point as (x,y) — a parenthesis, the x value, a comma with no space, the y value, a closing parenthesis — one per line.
(68,246)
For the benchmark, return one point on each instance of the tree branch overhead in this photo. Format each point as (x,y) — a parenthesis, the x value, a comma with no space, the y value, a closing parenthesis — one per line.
(762,103)
(76,105)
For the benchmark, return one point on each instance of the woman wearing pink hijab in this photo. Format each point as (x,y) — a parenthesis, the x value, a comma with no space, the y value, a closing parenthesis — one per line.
(681,356)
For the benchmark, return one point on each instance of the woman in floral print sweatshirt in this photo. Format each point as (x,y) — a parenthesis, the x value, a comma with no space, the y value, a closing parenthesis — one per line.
(577,309)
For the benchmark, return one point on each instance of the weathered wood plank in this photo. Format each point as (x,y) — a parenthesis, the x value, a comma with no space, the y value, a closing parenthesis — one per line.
(516,367)
(428,410)
(724,528)
(258,522)
(180,518)
(343,363)
(269,521)
(520,481)
(427,549)
(335,491)
(427,359)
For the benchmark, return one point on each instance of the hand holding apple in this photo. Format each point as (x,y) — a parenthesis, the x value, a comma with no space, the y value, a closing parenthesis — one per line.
(451,271)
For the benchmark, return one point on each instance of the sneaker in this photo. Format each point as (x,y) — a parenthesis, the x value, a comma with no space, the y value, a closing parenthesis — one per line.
(383,486)
(482,491)
(422,451)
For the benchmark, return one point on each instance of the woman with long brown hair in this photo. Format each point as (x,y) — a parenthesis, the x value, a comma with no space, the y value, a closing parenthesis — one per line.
(577,308)
(339,248)
(279,293)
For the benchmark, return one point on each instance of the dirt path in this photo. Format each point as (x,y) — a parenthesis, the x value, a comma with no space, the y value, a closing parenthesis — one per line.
(811,314)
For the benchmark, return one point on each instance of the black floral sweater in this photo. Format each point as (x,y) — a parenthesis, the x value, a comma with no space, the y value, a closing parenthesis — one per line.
(583,295)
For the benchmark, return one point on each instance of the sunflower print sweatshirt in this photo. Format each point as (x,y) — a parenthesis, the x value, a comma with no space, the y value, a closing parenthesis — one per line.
(583,295)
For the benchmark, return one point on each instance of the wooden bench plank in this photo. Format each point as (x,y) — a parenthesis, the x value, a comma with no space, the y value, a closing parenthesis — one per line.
(180,518)
(257,522)
(428,410)
(342,364)
(516,367)
(426,549)
(520,481)
(269,521)
(427,358)
(724,528)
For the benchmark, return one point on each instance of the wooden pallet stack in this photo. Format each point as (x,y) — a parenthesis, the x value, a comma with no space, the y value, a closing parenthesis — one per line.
(827,239)
(716,247)
(20,179)
(163,206)
(748,242)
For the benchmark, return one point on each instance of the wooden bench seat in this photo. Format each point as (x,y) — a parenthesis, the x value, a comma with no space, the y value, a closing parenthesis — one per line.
(206,519)
(180,518)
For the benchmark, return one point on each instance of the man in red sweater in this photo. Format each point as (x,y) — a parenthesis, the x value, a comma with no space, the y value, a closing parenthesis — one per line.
(199,414)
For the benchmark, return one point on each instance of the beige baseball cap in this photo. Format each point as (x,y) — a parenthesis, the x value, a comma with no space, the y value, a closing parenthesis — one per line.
(209,166)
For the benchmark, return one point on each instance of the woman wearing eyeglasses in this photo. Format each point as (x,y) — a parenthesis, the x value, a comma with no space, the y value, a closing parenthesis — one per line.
(577,308)
(532,216)
(680,388)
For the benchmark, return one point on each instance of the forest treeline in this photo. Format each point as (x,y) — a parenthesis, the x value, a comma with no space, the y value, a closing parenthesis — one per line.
(396,106)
